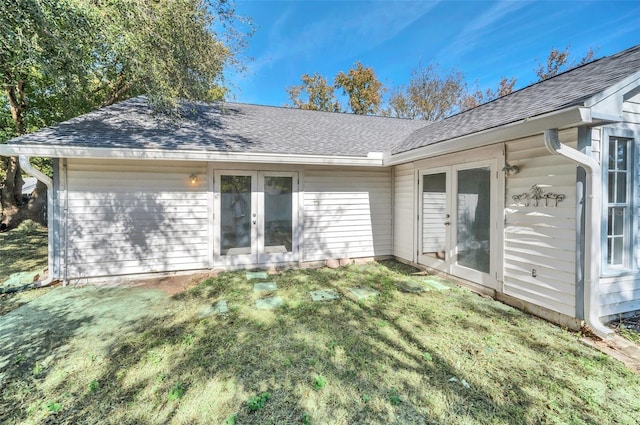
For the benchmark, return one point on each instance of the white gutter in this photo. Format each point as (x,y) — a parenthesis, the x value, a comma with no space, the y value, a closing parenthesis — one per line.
(26,166)
(371,160)
(564,118)
(593,212)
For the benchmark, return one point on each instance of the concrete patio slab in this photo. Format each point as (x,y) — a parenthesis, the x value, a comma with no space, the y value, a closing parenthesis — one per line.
(363,292)
(324,295)
(256,275)
(269,303)
(265,286)
(219,308)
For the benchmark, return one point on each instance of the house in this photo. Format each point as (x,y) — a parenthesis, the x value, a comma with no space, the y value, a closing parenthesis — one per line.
(532,198)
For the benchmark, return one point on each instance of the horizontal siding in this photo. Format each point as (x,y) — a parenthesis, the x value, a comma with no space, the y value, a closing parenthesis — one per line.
(347,214)
(631,110)
(403,212)
(127,217)
(620,294)
(543,237)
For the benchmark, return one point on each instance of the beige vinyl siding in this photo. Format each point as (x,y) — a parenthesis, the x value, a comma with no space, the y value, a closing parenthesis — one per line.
(541,238)
(347,213)
(127,217)
(404,213)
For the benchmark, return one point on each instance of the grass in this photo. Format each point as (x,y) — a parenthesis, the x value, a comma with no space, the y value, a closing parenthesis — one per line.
(439,357)
(23,249)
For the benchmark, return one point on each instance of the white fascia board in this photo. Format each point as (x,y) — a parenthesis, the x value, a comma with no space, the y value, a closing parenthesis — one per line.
(185,155)
(618,89)
(564,118)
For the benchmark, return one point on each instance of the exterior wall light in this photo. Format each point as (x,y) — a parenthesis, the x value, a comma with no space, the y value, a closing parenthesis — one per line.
(193,179)
(511,170)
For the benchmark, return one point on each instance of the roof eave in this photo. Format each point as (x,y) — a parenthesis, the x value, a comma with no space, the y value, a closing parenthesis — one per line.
(51,151)
(564,118)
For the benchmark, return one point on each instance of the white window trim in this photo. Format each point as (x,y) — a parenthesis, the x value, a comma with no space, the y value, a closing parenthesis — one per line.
(630,244)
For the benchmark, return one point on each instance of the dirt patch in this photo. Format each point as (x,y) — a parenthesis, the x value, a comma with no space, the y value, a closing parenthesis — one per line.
(172,285)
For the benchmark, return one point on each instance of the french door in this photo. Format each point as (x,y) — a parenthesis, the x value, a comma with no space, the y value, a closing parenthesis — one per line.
(457,221)
(256,217)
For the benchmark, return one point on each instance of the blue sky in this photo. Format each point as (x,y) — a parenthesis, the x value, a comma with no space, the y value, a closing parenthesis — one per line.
(486,40)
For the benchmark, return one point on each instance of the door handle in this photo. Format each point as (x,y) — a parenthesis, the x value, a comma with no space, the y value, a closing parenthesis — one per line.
(446,223)
(254,222)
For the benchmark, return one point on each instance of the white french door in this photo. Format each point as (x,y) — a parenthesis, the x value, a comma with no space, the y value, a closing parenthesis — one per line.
(457,220)
(255,218)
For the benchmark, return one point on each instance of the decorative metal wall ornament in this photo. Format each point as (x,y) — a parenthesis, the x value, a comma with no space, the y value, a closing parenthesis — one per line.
(536,193)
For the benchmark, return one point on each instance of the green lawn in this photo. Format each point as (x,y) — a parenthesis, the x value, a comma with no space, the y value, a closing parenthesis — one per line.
(437,357)
(23,249)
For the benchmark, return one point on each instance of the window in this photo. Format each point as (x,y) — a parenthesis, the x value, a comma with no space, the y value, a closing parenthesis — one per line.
(619,203)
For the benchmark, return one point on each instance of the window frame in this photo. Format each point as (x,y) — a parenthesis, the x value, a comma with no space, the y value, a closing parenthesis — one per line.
(629,261)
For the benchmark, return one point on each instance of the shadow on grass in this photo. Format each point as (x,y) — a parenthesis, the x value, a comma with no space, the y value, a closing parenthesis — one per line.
(438,357)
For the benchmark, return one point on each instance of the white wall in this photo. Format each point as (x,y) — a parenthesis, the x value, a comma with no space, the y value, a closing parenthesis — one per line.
(541,238)
(621,293)
(404,212)
(347,213)
(126,217)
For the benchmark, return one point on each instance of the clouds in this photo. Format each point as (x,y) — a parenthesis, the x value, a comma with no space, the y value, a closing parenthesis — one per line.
(332,32)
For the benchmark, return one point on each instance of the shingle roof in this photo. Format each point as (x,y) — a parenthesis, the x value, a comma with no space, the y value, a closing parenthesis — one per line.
(570,88)
(227,127)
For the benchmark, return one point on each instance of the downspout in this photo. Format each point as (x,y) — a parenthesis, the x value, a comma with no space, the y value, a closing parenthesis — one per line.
(26,166)
(593,210)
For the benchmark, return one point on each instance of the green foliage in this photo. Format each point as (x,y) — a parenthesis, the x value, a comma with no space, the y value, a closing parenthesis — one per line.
(427,356)
(306,419)
(53,407)
(176,391)
(314,94)
(231,420)
(394,398)
(258,402)
(94,385)
(362,87)
(366,398)
(319,382)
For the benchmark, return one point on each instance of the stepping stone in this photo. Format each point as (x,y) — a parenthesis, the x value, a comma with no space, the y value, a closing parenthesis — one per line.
(324,294)
(219,308)
(364,292)
(436,285)
(256,275)
(269,303)
(410,287)
(265,286)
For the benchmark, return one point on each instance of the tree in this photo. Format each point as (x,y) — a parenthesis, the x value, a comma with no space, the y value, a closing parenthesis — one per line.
(558,61)
(478,97)
(362,87)
(61,58)
(429,95)
(314,94)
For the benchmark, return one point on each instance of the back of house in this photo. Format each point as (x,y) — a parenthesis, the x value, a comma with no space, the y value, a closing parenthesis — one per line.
(532,198)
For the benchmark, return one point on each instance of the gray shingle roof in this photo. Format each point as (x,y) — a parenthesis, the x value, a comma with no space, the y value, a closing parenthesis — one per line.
(227,127)
(567,89)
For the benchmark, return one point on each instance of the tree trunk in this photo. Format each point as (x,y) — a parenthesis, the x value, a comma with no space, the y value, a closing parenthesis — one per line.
(11,194)
(13,210)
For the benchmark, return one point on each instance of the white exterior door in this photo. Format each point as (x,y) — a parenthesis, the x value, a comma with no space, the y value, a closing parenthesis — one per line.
(457,221)
(255,217)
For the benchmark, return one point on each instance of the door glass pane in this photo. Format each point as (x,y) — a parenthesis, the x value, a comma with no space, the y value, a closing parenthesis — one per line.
(235,220)
(474,217)
(278,220)
(434,215)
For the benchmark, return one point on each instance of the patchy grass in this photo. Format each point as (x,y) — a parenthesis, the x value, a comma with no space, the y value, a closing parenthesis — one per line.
(23,249)
(136,356)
